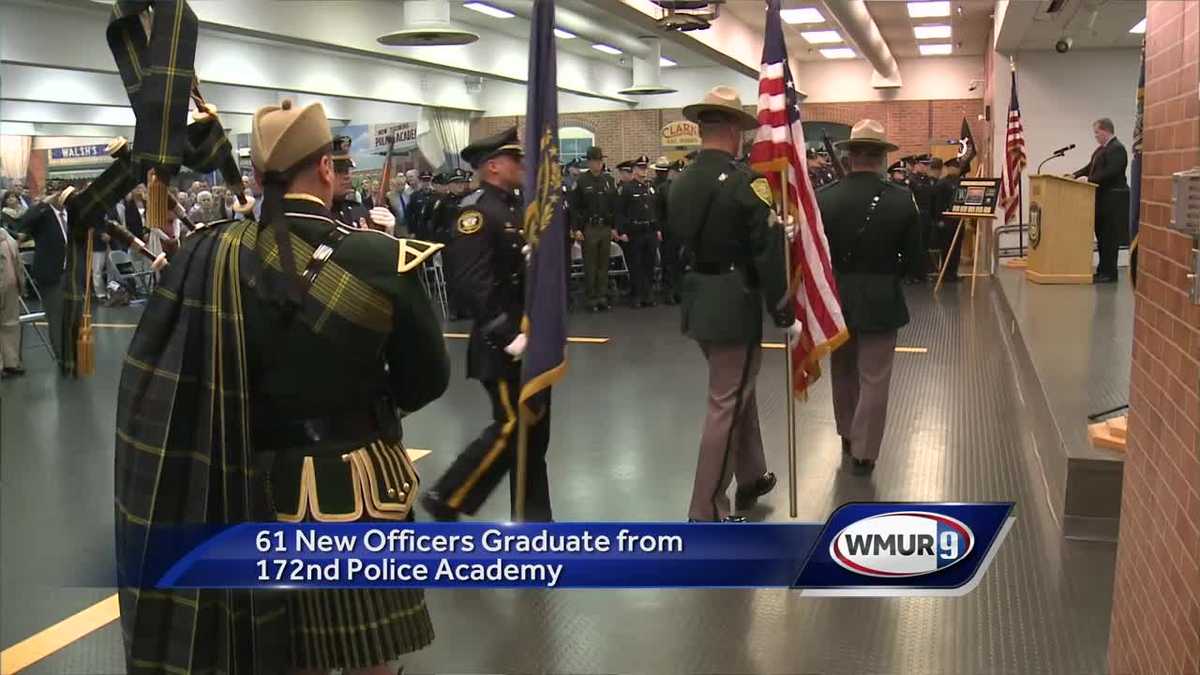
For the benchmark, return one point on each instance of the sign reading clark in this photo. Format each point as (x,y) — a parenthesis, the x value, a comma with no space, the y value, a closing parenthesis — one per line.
(681,134)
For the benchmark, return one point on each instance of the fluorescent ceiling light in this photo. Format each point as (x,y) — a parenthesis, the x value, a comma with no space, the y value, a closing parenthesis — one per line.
(921,10)
(560,33)
(930,32)
(606,49)
(838,53)
(664,62)
(821,37)
(1139,27)
(489,10)
(801,15)
(936,50)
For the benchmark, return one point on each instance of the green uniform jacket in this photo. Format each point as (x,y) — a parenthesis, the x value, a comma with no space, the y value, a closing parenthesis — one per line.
(721,211)
(870,259)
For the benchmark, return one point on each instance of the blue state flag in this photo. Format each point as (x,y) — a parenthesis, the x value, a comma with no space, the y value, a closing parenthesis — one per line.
(545,321)
(1135,169)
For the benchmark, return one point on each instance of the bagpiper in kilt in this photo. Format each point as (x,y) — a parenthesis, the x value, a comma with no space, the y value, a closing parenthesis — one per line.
(225,416)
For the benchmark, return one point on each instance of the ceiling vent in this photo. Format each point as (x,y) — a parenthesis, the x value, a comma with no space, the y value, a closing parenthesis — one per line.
(427,24)
(688,15)
(647,71)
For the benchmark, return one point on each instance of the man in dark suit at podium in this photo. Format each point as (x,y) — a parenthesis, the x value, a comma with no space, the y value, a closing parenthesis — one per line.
(1107,171)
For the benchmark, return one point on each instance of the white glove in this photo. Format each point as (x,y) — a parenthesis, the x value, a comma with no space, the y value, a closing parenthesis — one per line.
(159,264)
(527,251)
(793,332)
(790,230)
(381,216)
(516,348)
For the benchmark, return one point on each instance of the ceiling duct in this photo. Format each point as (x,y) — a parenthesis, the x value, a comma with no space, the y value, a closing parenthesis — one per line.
(647,71)
(860,28)
(427,24)
(688,15)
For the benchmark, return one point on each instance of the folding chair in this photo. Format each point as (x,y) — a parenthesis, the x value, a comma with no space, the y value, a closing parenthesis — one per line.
(29,317)
(575,290)
(617,268)
(433,278)
(128,274)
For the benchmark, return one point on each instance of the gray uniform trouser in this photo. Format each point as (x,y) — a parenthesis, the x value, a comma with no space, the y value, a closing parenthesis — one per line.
(862,376)
(732,442)
(597,245)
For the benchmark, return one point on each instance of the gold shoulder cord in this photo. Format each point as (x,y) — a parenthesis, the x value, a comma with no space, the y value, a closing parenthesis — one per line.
(413,252)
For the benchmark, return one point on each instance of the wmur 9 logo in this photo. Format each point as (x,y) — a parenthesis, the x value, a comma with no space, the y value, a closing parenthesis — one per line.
(902,544)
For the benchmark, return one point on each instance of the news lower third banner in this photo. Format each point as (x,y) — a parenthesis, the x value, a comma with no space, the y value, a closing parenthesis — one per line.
(864,550)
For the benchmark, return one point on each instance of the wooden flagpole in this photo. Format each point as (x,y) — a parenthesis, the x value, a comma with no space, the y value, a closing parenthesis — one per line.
(789,395)
(522,462)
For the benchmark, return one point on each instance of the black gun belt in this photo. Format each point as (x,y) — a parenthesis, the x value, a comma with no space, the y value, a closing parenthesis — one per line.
(345,428)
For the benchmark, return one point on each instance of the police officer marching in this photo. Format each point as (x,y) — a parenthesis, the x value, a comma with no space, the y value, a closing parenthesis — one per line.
(921,185)
(721,209)
(488,272)
(346,210)
(637,221)
(415,209)
(592,202)
(670,251)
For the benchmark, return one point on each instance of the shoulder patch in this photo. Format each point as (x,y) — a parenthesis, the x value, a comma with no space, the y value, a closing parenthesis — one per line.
(413,252)
(762,188)
(471,199)
(470,222)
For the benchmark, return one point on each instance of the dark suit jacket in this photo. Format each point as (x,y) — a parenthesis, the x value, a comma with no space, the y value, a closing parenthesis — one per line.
(49,256)
(1107,167)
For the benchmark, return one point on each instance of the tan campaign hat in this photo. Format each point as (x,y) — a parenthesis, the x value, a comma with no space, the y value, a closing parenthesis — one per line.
(725,100)
(868,132)
(283,135)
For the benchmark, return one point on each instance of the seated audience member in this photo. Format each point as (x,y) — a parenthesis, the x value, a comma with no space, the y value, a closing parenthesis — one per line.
(12,286)
(11,210)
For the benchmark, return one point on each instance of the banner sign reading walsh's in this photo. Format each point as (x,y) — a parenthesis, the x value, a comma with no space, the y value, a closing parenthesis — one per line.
(79,154)
(870,549)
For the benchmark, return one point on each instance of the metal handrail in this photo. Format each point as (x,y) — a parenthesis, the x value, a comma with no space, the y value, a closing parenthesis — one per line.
(996,243)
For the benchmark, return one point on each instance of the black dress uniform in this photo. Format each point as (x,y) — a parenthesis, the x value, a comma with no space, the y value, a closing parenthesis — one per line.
(488,264)
(670,249)
(415,210)
(637,220)
(922,188)
(593,203)
(946,226)
(347,210)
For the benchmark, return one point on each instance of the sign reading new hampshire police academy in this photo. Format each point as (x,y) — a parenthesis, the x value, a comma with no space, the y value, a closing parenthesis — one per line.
(865,550)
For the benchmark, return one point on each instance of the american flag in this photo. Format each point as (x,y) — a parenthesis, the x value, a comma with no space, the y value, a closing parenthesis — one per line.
(1014,144)
(779,150)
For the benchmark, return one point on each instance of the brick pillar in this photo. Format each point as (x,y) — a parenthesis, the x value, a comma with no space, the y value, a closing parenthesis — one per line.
(1156,602)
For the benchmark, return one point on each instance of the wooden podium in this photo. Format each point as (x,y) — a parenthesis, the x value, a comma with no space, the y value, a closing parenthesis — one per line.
(1062,216)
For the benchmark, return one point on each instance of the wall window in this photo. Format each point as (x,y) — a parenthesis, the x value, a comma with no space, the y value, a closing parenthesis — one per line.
(573,143)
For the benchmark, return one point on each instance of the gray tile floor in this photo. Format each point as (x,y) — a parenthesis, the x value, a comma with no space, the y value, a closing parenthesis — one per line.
(626,426)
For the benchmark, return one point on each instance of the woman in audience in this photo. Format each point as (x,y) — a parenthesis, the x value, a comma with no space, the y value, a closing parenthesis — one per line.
(10,210)
(12,285)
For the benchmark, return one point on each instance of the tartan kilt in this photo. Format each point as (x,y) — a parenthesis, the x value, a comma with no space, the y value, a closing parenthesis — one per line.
(356,628)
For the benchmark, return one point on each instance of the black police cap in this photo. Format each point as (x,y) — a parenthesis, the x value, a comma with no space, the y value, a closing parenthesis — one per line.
(504,143)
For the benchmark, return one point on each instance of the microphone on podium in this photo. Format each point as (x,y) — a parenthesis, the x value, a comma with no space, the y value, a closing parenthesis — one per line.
(1055,155)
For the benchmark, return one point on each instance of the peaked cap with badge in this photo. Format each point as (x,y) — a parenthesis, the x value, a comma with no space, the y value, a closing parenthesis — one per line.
(504,143)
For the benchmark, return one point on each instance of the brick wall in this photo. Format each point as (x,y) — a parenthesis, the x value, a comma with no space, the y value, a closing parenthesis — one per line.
(1156,604)
(910,124)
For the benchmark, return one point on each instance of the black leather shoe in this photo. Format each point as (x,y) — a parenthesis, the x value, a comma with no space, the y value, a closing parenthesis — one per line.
(440,510)
(748,495)
(726,519)
(862,465)
(1104,278)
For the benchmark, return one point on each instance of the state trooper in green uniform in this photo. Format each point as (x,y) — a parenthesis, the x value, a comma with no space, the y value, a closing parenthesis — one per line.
(721,210)
(874,233)
(593,203)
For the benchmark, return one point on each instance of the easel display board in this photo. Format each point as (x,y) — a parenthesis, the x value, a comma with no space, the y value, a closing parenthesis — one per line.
(976,198)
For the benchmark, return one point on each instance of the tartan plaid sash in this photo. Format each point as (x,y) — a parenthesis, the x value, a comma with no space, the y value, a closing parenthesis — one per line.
(158,74)
(184,455)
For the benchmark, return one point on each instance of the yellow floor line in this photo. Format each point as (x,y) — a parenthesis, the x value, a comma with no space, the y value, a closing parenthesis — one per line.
(899,350)
(573,340)
(40,645)
(78,626)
